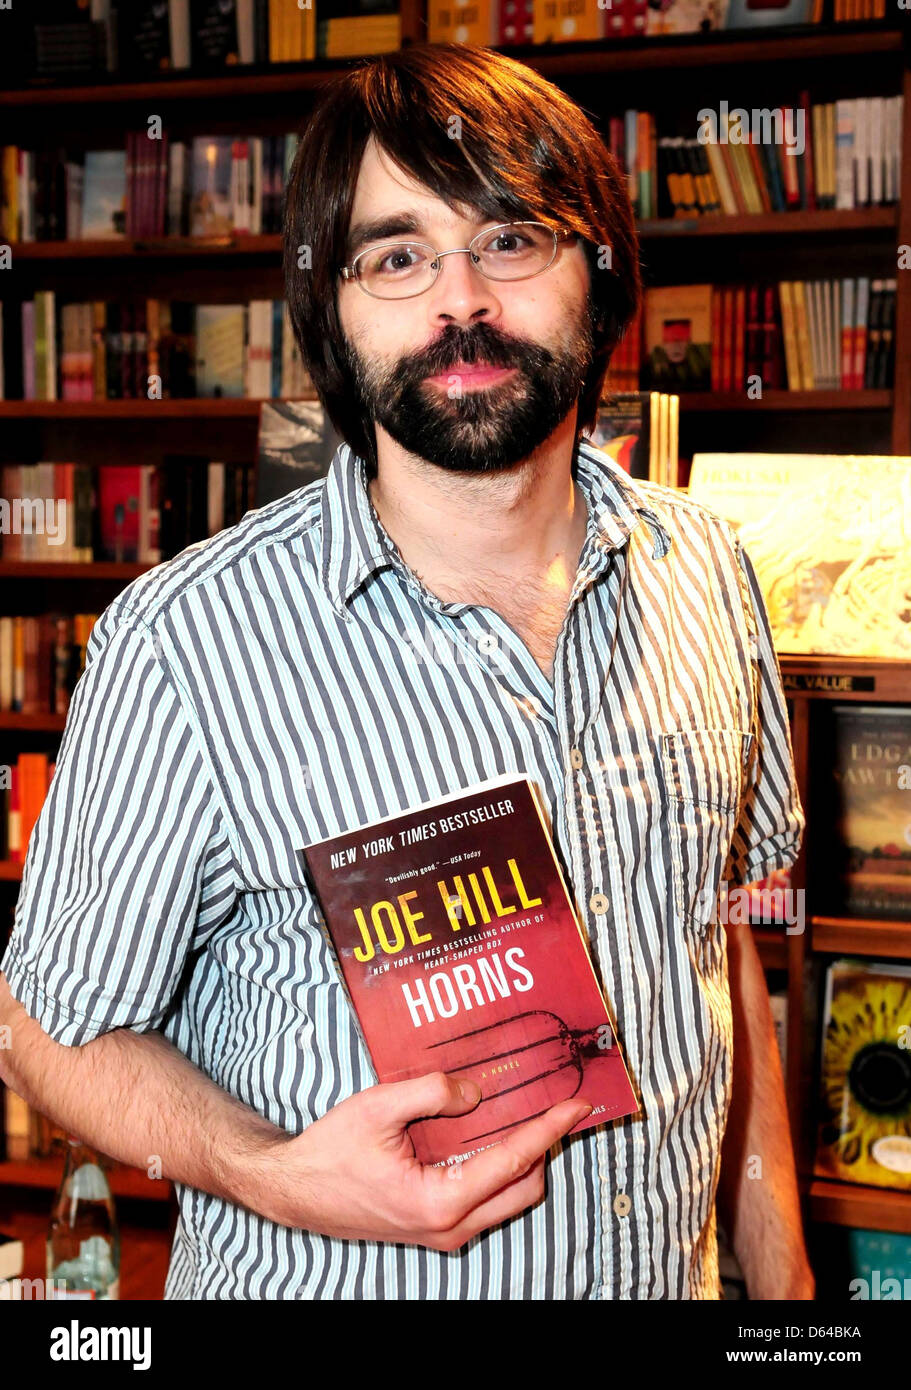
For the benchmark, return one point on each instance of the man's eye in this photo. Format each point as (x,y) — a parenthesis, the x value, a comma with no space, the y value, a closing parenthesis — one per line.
(395,261)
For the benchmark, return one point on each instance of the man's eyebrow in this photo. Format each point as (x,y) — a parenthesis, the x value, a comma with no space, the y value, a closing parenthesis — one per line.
(389,226)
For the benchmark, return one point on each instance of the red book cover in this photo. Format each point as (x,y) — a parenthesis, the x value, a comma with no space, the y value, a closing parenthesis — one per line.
(739,380)
(636,18)
(727,339)
(460,952)
(753,333)
(716,337)
(759,175)
(771,341)
(790,176)
(32,792)
(118,505)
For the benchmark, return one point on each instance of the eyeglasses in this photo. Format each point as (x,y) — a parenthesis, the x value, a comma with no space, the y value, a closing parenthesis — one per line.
(403,269)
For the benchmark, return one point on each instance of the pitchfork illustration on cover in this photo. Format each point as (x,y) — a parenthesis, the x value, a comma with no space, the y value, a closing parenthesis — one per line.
(537,1040)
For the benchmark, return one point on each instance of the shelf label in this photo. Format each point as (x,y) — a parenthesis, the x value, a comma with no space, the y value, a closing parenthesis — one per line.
(828,683)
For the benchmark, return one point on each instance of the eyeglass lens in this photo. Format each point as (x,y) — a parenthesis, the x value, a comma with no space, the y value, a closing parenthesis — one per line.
(510,252)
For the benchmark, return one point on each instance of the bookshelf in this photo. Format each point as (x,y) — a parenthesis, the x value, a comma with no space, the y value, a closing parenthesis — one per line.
(867,58)
(810,684)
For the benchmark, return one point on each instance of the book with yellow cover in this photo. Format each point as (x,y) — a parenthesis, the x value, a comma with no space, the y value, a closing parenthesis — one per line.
(462,21)
(562,21)
(865,1105)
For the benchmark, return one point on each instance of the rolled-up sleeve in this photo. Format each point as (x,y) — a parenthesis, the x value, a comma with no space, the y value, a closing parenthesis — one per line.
(771,821)
(129,867)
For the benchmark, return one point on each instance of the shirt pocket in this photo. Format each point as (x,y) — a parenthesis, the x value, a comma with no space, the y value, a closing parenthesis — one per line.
(703,772)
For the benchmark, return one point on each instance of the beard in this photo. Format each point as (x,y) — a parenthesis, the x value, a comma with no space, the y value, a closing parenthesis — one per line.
(485,429)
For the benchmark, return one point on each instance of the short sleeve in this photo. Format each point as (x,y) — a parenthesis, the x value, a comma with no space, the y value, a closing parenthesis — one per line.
(771,821)
(129,868)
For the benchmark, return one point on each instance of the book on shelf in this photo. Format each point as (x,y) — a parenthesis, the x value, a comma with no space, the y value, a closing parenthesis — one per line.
(871,806)
(41,659)
(467,21)
(626,359)
(639,430)
(678,338)
(296,445)
(463,953)
(827,534)
(150,350)
(23,787)
(864,1132)
(879,1264)
(355,28)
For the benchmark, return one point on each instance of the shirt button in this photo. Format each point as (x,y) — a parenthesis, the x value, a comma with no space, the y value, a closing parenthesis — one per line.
(622,1204)
(575,757)
(599,902)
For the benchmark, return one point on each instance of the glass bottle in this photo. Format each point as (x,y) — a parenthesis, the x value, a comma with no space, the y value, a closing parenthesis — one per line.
(83,1240)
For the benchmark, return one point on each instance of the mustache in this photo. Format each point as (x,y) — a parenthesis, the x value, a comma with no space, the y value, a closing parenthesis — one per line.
(469,346)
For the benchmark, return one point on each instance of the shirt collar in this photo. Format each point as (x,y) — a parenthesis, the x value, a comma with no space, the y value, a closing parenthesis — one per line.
(355,544)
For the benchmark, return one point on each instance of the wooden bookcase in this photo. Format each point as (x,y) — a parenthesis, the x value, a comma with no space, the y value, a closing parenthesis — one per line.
(686,72)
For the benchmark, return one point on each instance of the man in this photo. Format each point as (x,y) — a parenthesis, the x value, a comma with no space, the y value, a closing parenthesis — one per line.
(170,990)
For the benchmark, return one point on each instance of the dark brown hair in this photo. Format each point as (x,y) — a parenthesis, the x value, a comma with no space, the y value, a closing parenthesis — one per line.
(524,150)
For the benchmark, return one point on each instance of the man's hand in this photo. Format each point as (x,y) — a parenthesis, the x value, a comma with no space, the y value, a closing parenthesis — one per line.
(353,1173)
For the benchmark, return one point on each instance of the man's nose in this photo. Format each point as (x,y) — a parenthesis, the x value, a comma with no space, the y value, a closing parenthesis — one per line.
(460,293)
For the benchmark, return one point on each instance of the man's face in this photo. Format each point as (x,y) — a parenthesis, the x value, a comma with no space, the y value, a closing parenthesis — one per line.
(419,363)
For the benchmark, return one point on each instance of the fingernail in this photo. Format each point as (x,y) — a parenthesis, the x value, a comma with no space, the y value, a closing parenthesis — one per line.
(470,1090)
(585,1108)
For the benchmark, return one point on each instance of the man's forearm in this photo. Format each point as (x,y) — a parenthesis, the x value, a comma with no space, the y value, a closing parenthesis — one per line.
(138,1099)
(758,1200)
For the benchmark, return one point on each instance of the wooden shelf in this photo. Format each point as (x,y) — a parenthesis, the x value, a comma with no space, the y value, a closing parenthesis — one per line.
(734,402)
(12,719)
(46,1173)
(686,51)
(198,407)
(797,223)
(220,407)
(772,945)
(867,1208)
(236,244)
(846,678)
(99,569)
(859,936)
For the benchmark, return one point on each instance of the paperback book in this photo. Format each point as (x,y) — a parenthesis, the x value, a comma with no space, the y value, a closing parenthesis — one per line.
(871,772)
(865,1119)
(460,951)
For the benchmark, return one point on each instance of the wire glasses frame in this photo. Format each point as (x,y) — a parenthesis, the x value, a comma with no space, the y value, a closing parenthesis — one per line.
(354,270)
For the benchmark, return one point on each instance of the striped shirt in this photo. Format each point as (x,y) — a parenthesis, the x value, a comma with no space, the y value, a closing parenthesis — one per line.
(291,679)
